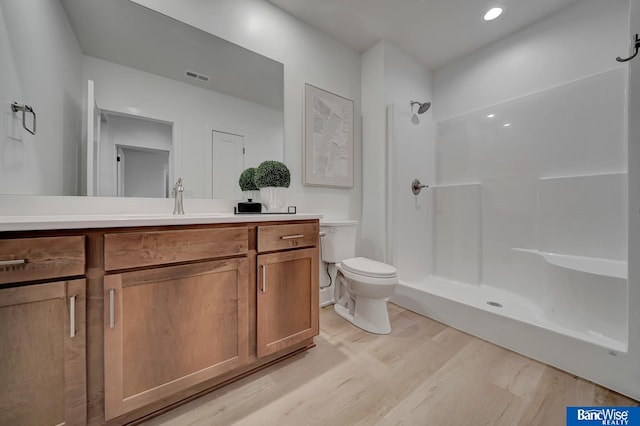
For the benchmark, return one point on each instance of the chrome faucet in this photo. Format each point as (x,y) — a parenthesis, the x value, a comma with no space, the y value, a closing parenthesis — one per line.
(178,191)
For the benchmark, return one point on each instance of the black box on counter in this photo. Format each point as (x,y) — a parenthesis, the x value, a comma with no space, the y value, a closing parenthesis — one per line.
(249,207)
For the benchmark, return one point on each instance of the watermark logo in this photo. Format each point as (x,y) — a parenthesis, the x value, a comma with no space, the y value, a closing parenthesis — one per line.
(603,416)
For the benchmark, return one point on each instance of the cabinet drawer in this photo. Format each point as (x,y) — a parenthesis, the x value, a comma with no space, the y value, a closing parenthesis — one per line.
(281,237)
(136,249)
(29,259)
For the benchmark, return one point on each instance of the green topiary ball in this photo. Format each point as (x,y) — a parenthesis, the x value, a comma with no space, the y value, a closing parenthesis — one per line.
(272,173)
(246,180)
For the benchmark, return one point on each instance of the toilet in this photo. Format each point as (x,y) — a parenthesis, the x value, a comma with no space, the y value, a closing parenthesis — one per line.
(362,285)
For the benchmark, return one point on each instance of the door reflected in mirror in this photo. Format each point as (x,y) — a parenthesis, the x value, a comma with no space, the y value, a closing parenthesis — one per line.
(227,164)
(142,172)
(134,156)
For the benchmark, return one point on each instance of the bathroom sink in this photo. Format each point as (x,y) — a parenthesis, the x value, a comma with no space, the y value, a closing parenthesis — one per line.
(207,214)
(168,215)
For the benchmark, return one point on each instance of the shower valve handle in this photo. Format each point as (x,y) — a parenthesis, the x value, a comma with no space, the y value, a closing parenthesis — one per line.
(416,186)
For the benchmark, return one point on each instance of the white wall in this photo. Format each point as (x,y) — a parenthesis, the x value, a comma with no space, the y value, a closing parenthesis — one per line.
(413,139)
(374,184)
(576,42)
(308,57)
(628,374)
(390,77)
(194,113)
(556,105)
(40,67)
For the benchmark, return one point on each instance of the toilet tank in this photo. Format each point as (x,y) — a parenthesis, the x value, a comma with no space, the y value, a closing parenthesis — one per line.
(339,240)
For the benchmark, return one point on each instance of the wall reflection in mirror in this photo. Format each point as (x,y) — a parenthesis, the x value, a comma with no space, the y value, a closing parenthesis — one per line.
(127,100)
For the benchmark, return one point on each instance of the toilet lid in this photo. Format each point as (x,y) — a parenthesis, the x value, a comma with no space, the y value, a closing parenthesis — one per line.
(369,268)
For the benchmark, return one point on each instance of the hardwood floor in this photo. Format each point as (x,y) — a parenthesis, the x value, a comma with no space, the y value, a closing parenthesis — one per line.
(424,373)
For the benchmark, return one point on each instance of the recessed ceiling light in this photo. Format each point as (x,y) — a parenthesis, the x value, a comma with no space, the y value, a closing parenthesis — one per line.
(493,14)
(491,115)
(506,125)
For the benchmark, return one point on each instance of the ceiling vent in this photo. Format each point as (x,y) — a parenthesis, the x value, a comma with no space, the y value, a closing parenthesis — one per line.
(201,77)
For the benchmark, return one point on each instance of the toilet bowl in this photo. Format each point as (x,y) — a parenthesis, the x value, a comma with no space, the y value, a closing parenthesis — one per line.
(362,285)
(362,288)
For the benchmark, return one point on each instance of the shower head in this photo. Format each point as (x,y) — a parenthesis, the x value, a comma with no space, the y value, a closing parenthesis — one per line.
(423,107)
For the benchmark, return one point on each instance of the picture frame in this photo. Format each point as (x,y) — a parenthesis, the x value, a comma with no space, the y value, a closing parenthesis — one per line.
(328,146)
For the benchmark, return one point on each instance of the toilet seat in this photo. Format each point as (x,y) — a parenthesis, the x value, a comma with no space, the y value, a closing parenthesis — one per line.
(369,268)
(367,271)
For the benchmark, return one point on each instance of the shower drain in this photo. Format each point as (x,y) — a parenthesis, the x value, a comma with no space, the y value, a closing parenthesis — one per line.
(496,304)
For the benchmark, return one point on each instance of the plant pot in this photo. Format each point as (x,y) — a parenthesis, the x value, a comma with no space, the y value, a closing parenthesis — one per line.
(272,198)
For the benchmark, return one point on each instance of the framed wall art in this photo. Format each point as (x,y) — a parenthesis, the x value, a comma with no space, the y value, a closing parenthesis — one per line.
(328,139)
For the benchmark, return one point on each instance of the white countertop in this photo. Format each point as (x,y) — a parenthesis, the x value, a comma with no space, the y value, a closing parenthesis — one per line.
(83,221)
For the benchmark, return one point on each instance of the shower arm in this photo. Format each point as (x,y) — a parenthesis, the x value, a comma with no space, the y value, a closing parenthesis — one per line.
(636,47)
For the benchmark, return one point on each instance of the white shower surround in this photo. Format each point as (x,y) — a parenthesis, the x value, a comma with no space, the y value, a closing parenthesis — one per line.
(533,216)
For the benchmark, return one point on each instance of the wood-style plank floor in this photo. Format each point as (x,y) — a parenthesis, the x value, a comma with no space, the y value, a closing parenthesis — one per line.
(424,373)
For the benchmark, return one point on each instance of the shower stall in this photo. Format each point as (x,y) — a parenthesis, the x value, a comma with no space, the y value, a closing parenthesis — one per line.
(523,235)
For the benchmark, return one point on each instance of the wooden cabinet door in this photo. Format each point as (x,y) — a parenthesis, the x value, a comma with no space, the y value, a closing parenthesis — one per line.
(42,354)
(167,329)
(287,299)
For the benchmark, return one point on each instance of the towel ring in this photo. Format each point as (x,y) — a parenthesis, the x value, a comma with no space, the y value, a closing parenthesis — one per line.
(15,107)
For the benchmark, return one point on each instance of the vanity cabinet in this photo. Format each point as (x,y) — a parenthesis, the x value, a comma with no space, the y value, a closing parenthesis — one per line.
(287,286)
(43,332)
(115,325)
(171,327)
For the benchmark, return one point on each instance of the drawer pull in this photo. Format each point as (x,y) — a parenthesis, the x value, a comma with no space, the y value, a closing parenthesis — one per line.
(12,262)
(72,316)
(264,278)
(112,308)
(292,237)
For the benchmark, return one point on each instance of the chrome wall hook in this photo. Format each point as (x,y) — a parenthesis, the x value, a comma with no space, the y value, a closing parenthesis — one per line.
(636,47)
(15,107)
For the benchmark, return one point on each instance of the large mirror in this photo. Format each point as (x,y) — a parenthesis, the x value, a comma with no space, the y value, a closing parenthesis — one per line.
(125,100)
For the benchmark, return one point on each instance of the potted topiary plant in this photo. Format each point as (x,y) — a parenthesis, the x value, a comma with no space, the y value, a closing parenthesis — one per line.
(248,187)
(272,177)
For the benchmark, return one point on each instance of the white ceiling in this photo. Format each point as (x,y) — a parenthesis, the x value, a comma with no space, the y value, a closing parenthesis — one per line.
(433,32)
